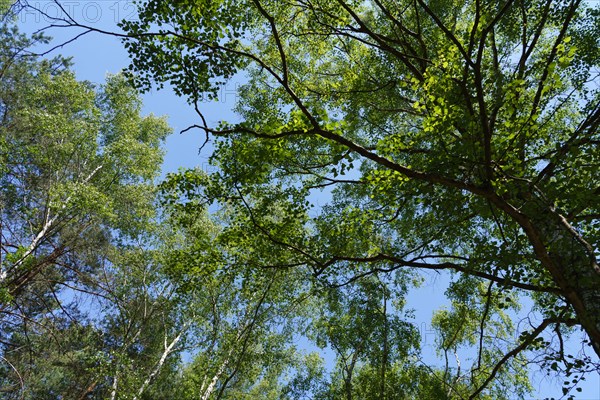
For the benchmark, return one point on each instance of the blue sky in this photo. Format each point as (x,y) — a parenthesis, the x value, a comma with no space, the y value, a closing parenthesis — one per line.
(96,55)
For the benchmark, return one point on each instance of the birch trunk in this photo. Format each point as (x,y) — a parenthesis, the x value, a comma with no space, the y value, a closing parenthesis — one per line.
(167,351)
(48,224)
(213,382)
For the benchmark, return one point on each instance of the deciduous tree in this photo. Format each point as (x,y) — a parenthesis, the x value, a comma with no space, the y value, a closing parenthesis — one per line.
(77,170)
(456,136)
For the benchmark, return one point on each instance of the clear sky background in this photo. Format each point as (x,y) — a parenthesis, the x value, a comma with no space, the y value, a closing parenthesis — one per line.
(96,55)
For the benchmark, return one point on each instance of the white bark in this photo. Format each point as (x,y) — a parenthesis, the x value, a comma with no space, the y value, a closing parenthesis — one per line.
(167,351)
(213,382)
(113,393)
(49,222)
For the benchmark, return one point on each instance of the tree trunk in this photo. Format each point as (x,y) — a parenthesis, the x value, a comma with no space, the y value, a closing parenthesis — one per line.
(213,382)
(571,262)
(384,358)
(88,390)
(159,364)
(113,392)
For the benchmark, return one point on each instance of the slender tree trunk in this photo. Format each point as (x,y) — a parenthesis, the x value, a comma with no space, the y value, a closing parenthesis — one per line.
(350,372)
(88,390)
(36,241)
(213,382)
(48,224)
(159,364)
(115,385)
(348,386)
(384,357)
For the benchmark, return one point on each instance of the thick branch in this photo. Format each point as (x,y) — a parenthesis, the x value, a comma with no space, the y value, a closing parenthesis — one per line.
(400,263)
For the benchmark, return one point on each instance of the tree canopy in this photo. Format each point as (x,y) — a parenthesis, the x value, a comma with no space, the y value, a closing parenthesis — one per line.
(77,167)
(377,141)
(104,282)
(459,136)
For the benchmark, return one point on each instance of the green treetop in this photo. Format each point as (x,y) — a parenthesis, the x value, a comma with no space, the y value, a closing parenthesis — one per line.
(459,136)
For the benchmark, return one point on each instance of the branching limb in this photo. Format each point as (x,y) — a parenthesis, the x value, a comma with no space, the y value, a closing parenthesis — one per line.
(530,338)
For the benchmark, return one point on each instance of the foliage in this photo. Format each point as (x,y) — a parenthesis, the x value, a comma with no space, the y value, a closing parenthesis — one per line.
(103,288)
(457,136)
(76,191)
